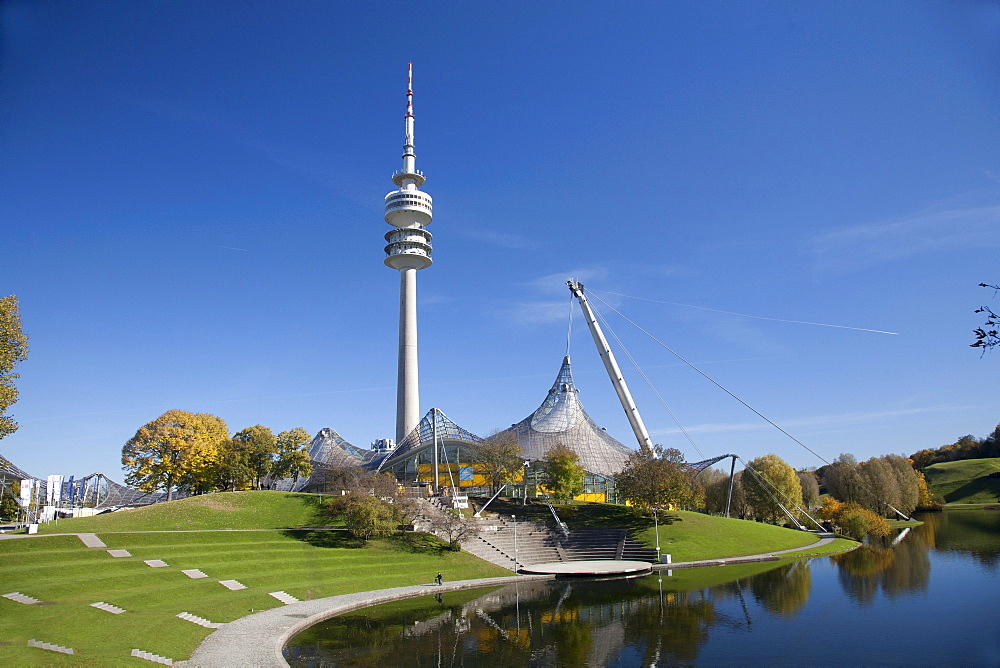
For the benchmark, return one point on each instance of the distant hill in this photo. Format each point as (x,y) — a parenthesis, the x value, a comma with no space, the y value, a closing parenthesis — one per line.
(966,481)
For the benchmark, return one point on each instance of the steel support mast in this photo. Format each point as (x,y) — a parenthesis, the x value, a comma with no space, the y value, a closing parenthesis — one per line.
(631,412)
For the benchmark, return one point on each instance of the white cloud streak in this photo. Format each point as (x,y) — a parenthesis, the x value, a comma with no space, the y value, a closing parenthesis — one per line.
(935,229)
(802,423)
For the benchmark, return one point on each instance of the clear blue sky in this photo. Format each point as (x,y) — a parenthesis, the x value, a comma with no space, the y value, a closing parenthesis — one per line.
(191,213)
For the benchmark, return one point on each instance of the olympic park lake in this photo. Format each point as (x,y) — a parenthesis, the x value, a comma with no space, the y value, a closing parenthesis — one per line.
(929,596)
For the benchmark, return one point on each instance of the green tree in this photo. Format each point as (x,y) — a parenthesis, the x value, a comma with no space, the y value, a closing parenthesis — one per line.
(259,447)
(13,350)
(10,507)
(498,456)
(769,485)
(230,470)
(658,479)
(563,473)
(176,447)
(293,455)
(367,517)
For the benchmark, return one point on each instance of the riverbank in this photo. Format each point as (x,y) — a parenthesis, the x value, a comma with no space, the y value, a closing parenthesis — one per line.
(258,639)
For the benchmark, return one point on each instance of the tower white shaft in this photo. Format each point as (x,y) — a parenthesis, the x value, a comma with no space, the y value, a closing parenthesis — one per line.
(408,210)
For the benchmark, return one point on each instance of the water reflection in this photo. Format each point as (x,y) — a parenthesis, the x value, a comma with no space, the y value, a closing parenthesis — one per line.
(971,532)
(662,620)
(711,615)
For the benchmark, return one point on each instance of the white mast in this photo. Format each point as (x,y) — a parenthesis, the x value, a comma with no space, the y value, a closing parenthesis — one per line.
(624,396)
(408,210)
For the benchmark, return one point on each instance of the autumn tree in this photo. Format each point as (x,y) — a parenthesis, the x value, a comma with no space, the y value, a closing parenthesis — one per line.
(717,494)
(176,447)
(13,350)
(658,479)
(563,473)
(452,526)
(769,484)
(854,520)
(498,456)
(883,485)
(810,488)
(842,479)
(927,500)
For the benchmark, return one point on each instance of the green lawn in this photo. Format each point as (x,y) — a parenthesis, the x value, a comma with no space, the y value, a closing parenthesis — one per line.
(67,577)
(224,510)
(966,481)
(688,536)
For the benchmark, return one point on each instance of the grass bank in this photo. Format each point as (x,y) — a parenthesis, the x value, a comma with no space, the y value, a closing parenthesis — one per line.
(972,481)
(225,510)
(67,577)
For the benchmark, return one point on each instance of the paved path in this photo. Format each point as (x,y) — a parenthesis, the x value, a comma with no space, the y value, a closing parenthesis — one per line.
(257,639)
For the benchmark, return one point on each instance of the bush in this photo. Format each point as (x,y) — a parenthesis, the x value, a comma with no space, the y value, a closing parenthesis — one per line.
(857,522)
(367,517)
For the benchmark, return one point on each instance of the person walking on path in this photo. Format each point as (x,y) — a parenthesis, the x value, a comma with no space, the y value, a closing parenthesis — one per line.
(440,580)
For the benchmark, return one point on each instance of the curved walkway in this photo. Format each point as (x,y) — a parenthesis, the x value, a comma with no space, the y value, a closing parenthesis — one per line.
(257,639)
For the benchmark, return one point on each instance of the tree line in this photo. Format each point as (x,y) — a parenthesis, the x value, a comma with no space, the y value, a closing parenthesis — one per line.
(856,497)
(966,447)
(194,453)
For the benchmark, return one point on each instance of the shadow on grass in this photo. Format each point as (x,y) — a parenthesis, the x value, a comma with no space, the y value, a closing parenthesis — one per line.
(418,543)
(325,537)
(987,487)
(319,509)
(404,541)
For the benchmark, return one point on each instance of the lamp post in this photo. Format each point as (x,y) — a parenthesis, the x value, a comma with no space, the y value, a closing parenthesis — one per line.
(514,517)
(524,475)
(656,524)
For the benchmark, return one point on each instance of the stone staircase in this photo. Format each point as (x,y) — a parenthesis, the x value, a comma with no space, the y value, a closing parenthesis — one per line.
(538,541)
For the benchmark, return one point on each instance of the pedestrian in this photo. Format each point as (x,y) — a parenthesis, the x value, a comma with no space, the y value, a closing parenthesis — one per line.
(440,579)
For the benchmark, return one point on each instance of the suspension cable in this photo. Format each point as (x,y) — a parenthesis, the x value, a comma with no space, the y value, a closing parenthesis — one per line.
(761,477)
(569,326)
(710,379)
(642,373)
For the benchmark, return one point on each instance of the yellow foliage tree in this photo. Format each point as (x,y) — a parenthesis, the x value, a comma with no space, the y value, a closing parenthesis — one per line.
(176,448)
(13,349)
(770,485)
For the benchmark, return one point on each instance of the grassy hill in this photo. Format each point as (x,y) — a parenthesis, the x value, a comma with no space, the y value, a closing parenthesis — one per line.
(966,481)
(224,510)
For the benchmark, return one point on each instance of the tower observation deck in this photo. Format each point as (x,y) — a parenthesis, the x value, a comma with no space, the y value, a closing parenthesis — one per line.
(408,250)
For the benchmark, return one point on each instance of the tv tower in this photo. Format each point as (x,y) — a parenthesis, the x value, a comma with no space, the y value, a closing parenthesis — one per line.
(408,210)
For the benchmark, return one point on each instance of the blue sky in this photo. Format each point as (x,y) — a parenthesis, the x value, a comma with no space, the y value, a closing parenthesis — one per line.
(191,213)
